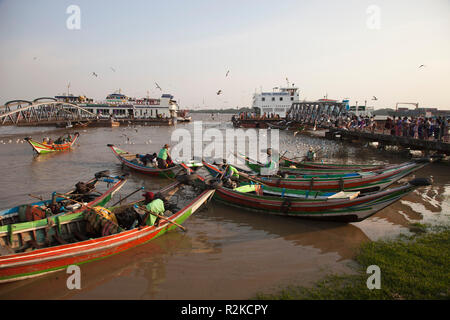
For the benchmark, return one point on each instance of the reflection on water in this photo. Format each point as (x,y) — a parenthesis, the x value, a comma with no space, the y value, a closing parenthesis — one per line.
(226,253)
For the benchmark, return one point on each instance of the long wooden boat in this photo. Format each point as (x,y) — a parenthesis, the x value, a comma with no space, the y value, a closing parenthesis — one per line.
(41,147)
(365,182)
(283,192)
(129,160)
(317,165)
(90,196)
(345,210)
(292,172)
(67,241)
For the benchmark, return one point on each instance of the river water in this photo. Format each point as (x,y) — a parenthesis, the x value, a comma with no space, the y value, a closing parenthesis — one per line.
(226,253)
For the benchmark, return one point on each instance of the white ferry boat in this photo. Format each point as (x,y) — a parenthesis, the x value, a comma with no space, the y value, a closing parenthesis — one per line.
(276,102)
(118,105)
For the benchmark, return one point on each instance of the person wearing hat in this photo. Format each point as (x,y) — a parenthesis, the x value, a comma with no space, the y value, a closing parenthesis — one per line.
(310,155)
(154,205)
(163,156)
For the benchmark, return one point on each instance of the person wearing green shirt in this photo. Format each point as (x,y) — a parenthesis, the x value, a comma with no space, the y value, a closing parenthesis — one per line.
(162,157)
(155,206)
(231,173)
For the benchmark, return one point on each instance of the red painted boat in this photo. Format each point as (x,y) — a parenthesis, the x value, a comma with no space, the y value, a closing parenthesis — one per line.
(365,182)
(70,228)
(129,160)
(41,147)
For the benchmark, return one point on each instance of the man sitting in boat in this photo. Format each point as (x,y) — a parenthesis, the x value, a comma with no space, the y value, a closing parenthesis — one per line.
(163,156)
(155,204)
(270,166)
(310,155)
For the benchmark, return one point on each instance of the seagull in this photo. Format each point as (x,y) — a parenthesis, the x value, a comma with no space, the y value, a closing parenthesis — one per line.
(94,74)
(227,73)
(158,87)
(219,92)
(374,98)
(422,65)
(112,69)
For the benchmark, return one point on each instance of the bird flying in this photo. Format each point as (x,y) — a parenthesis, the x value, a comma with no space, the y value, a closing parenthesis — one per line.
(374,98)
(219,92)
(227,73)
(94,74)
(158,87)
(422,65)
(112,69)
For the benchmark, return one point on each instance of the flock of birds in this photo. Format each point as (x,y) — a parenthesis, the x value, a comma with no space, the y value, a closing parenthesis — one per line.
(11,141)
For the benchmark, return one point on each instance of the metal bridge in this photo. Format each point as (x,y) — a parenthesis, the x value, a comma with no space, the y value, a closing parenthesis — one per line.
(309,111)
(42,111)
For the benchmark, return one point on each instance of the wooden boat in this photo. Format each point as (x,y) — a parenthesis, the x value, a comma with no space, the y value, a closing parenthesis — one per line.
(290,193)
(67,241)
(366,182)
(41,147)
(293,171)
(129,160)
(85,193)
(317,165)
(345,210)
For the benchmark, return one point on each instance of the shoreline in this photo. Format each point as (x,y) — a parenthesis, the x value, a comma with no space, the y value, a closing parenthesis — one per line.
(411,267)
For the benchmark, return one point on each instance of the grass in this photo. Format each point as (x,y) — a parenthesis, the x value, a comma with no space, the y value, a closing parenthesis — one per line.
(412,267)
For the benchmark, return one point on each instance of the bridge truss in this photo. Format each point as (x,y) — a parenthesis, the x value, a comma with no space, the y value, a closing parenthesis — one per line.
(42,111)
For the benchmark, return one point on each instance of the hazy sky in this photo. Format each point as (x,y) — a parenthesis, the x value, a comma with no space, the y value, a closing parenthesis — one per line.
(323,46)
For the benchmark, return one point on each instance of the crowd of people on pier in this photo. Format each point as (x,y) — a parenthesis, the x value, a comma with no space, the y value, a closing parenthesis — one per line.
(255,116)
(423,128)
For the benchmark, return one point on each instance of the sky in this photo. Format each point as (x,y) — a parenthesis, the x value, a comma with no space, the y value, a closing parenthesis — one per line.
(352,49)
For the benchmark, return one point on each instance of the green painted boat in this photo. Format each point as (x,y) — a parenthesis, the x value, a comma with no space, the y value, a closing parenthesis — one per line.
(53,244)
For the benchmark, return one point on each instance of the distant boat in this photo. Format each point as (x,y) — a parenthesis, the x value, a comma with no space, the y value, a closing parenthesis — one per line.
(60,144)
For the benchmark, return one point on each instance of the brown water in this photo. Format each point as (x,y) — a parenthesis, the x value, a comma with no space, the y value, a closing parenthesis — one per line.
(226,253)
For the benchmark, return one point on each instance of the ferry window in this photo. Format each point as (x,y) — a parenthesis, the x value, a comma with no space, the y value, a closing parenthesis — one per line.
(292,98)
(273,98)
(281,98)
(263,99)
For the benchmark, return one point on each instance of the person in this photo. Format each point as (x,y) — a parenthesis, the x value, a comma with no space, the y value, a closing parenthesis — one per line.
(145,159)
(231,173)
(156,205)
(310,155)
(162,157)
(270,165)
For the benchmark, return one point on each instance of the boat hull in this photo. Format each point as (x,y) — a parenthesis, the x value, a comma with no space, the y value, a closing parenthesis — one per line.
(42,261)
(354,210)
(164,173)
(41,148)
